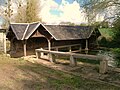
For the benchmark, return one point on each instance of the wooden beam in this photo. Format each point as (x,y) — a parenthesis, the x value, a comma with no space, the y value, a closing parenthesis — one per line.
(63,46)
(24,46)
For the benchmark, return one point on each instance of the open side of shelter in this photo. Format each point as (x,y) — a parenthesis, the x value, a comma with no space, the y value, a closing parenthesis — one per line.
(25,38)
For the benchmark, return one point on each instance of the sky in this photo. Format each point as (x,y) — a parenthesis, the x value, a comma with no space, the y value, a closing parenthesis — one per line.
(56,11)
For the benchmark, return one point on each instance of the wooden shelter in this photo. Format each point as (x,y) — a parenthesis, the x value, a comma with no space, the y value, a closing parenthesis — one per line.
(26,37)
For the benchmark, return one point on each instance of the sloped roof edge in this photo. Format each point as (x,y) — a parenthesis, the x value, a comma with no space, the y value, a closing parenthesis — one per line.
(32,30)
(25,32)
(49,32)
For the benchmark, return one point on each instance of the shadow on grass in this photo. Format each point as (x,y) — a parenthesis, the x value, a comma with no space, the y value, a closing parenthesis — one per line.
(40,77)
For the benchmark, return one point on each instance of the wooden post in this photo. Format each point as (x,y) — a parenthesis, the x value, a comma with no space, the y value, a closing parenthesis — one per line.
(80,48)
(4,42)
(52,58)
(56,49)
(41,53)
(72,61)
(86,48)
(24,47)
(103,66)
(37,55)
(49,48)
(70,49)
(49,45)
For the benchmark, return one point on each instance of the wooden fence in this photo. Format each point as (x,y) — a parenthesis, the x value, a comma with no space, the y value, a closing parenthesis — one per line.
(73,62)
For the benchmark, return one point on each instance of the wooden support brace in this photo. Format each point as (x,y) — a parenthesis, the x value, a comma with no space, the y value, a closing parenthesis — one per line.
(103,66)
(72,61)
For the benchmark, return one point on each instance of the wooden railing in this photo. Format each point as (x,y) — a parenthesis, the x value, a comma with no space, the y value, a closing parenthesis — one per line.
(52,57)
(56,48)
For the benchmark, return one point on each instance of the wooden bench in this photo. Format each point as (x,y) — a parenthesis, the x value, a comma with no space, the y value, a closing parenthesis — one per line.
(52,57)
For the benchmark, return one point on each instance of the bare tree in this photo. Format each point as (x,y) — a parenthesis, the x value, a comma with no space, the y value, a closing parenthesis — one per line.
(7,10)
(27,11)
(95,7)
(20,16)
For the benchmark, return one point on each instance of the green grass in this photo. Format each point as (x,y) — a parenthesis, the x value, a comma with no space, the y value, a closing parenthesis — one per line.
(106,32)
(36,77)
(107,37)
(58,80)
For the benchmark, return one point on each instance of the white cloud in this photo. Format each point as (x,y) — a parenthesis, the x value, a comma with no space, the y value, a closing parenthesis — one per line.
(47,5)
(70,12)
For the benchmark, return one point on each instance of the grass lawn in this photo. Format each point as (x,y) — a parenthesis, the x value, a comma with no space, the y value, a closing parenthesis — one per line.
(106,32)
(18,74)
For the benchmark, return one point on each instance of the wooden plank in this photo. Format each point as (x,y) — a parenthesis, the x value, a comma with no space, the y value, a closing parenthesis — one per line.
(53,52)
(73,54)
(93,57)
(76,51)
